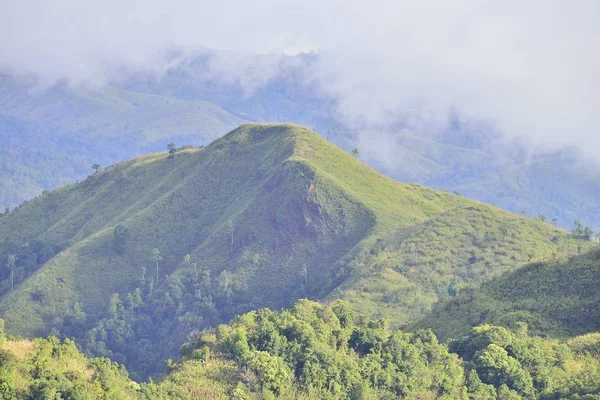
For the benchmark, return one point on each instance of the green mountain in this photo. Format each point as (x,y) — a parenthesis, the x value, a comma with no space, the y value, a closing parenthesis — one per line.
(561,186)
(135,258)
(558,186)
(558,298)
(52,136)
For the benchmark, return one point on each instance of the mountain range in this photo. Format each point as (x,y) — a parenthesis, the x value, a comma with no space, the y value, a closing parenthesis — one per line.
(55,133)
(206,255)
(266,215)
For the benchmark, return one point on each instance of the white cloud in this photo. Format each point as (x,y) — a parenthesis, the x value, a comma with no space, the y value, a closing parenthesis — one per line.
(532,69)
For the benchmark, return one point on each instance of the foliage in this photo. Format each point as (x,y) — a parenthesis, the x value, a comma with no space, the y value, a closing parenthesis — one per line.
(557,298)
(267,214)
(314,351)
(582,232)
(307,352)
(330,352)
(49,369)
(521,366)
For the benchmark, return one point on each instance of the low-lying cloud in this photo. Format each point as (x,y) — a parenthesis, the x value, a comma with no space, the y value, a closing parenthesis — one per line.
(529,69)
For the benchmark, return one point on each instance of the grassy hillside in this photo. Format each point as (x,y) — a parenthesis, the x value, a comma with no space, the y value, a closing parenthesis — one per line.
(52,136)
(261,217)
(560,187)
(56,133)
(559,298)
(416,267)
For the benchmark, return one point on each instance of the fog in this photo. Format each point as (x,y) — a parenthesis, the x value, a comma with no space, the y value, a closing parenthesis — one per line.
(530,70)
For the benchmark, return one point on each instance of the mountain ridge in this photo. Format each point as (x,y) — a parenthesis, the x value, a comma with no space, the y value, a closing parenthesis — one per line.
(265,215)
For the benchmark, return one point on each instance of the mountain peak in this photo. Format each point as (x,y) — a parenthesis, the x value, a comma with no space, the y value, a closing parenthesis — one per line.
(254,132)
(265,215)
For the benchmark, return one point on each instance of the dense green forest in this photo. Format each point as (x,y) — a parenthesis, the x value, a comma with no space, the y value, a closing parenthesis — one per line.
(313,351)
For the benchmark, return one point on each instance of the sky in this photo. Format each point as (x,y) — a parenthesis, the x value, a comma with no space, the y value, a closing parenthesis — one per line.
(530,69)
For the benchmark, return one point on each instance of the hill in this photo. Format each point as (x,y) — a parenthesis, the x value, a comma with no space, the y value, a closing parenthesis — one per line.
(558,186)
(52,136)
(263,216)
(558,298)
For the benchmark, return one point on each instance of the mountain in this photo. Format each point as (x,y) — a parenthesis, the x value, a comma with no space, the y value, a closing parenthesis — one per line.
(558,298)
(136,257)
(52,136)
(557,186)
(55,133)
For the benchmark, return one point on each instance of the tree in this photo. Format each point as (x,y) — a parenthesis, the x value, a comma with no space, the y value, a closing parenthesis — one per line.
(304,276)
(156,257)
(7,390)
(542,217)
(582,232)
(10,264)
(172,147)
(271,371)
(588,233)
(356,152)
(497,368)
(554,221)
(230,230)
(96,168)
(224,285)
(120,233)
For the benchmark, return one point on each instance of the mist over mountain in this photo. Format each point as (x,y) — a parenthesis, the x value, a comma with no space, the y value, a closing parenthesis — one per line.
(468,97)
(196,101)
(299,200)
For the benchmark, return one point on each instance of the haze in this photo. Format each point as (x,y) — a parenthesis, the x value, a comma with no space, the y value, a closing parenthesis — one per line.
(530,70)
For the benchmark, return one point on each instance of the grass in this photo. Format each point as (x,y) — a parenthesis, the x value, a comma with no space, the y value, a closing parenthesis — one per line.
(558,298)
(256,208)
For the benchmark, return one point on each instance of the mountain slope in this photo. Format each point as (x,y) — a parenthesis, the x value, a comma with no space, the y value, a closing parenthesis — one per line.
(559,186)
(56,133)
(558,298)
(416,267)
(52,136)
(152,249)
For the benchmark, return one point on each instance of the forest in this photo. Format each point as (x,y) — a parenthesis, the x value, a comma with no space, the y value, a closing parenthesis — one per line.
(313,351)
